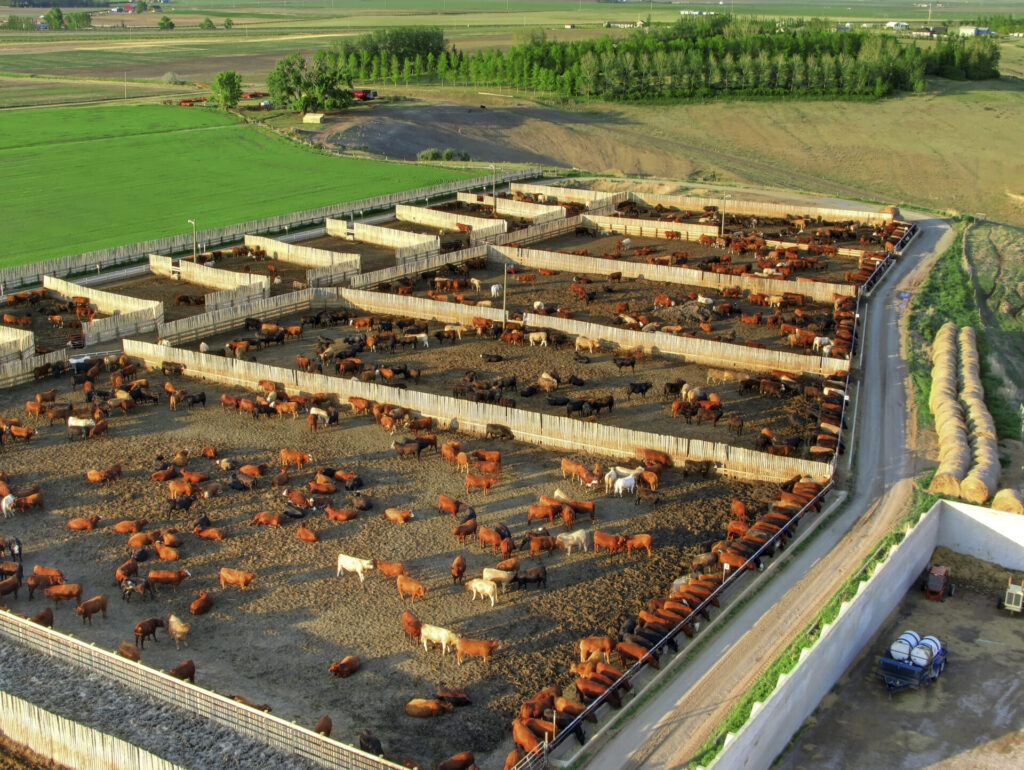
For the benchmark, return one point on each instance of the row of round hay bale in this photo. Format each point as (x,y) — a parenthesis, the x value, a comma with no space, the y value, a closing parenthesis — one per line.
(1008,500)
(982,480)
(954,451)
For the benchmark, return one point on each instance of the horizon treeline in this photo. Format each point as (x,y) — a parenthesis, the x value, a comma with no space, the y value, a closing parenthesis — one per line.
(703,57)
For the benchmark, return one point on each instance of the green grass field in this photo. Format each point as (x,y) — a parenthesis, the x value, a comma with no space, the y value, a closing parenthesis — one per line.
(79,179)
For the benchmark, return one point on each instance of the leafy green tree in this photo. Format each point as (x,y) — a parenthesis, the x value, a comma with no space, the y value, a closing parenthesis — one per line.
(20,23)
(54,18)
(227,88)
(165,24)
(326,84)
(78,20)
(141,6)
(206,23)
(228,23)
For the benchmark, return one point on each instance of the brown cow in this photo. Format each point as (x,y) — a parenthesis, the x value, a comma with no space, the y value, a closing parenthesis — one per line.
(458,568)
(654,456)
(236,577)
(397,516)
(90,607)
(62,592)
(36,582)
(130,527)
(201,605)
(390,568)
(421,707)
(447,504)
(340,514)
(345,667)
(266,518)
(81,524)
(638,542)
(171,577)
(481,648)
(184,671)
(147,628)
(613,543)
(464,530)
(44,617)
(479,482)
(407,585)
(411,625)
(591,644)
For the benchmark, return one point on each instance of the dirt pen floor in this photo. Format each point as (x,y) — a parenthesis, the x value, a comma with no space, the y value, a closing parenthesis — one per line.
(445,366)
(555,291)
(48,336)
(163,289)
(482,212)
(970,718)
(274,642)
(831,269)
(371,257)
(288,272)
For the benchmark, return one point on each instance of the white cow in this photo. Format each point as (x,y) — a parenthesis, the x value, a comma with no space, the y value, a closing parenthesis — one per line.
(457,328)
(495,290)
(705,300)
(352,564)
(567,540)
(476,282)
(538,306)
(421,337)
(319,414)
(627,484)
(539,338)
(80,423)
(821,342)
(499,576)
(437,635)
(7,506)
(484,588)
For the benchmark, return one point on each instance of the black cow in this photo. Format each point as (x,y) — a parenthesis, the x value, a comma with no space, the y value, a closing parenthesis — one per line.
(182,502)
(493,430)
(638,387)
(407,448)
(625,361)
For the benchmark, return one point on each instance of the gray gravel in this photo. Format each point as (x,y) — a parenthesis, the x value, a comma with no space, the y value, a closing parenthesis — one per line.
(95,701)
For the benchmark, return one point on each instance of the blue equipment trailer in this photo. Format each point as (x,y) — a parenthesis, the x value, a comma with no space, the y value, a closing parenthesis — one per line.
(901,675)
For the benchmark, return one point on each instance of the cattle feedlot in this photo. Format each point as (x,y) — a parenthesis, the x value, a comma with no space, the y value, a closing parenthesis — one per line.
(281,494)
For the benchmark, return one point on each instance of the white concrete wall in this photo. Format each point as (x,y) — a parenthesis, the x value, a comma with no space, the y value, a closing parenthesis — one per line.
(994,536)
(981,532)
(773,723)
(307,256)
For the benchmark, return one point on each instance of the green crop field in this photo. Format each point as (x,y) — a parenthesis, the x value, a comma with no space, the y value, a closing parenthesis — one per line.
(78,179)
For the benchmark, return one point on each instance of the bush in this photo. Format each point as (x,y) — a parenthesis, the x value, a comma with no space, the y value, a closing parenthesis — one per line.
(449,154)
(463,155)
(171,79)
(206,23)
(431,153)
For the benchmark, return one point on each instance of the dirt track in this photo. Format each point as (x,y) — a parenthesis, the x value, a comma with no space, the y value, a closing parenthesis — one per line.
(274,643)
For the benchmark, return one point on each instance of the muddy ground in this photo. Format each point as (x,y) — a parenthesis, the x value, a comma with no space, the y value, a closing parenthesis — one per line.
(274,642)
(49,335)
(163,289)
(372,257)
(970,717)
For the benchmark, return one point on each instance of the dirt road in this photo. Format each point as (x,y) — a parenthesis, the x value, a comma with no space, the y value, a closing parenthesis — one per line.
(669,730)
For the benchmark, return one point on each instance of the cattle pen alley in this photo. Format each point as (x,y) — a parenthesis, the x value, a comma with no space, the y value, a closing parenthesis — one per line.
(654,422)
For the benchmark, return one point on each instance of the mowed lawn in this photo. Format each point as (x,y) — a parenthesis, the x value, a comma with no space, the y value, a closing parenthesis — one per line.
(80,179)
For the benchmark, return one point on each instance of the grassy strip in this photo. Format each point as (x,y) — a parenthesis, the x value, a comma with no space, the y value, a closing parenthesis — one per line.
(948,295)
(788,659)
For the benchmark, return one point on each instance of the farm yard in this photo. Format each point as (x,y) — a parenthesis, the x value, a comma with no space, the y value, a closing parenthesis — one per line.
(52,321)
(165,290)
(371,256)
(299,617)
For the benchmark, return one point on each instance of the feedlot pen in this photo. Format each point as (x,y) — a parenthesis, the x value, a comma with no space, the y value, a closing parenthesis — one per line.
(274,642)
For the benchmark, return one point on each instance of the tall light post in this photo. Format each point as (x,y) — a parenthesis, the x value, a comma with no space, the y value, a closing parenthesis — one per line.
(193,223)
(494,185)
(504,299)
(721,231)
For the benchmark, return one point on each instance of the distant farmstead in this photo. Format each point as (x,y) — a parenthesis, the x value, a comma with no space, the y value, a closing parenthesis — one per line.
(974,31)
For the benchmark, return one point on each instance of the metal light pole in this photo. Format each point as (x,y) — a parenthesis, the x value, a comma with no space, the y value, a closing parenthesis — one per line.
(504,299)
(193,223)
(721,231)
(494,184)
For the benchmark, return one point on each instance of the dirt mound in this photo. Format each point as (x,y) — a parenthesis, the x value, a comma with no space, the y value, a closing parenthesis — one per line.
(982,576)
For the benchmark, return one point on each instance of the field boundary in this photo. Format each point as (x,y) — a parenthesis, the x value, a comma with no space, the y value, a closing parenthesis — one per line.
(262,727)
(32,274)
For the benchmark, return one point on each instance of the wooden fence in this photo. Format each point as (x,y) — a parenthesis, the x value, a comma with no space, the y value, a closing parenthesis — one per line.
(129,315)
(537,213)
(330,276)
(543,430)
(264,728)
(819,291)
(243,295)
(204,275)
(32,274)
(161,265)
(16,344)
(21,371)
(69,743)
(590,198)
(405,244)
(648,228)
(738,205)
(538,232)
(415,266)
(307,256)
(418,307)
(209,324)
(722,355)
(480,228)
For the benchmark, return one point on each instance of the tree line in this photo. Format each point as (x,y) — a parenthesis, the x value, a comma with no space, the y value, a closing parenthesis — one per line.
(705,57)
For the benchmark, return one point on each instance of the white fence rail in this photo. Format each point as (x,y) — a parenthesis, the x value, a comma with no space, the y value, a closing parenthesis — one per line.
(16,344)
(21,371)
(265,728)
(204,275)
(69,743)
(537,213)
(208,324)
(415,266)
(32,274)
(738,205)
(243,295)
(129,315)
(479,227)
(307,256)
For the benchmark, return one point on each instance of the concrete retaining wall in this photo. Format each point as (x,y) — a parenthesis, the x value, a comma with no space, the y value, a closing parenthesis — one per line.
(963,528)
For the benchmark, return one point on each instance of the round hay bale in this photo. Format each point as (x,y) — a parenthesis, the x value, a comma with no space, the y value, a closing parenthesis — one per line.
(945,484)
(983,479)
(892,210)
(1008,500)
